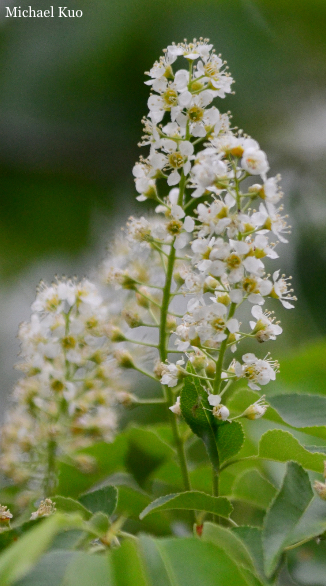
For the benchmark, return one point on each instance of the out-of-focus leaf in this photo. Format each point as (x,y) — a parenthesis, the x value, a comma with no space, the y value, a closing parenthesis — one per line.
(69,568)
(252,538)
(307,564)
(252,488)
(132,502)
(311,524)
(285,512)
(281,446)
(302,411)
(108,458)
(188,562)
(98,525)
(146,452)
(305,372)
(68,505)
(20,557)
(104,499)
(193,501)
(128,566)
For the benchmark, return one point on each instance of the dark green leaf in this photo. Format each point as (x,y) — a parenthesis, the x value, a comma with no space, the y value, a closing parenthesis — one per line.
(197,412)
(284,514)
(193,501)
(230,438)
(104,499)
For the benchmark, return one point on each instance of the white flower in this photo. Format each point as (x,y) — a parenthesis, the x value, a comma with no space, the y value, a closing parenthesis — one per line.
(214,400)
(264,328)
(258,372)
(171,373)
(254,161)
(281,291)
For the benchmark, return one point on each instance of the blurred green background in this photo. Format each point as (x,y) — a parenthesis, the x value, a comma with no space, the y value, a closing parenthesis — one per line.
(71,101)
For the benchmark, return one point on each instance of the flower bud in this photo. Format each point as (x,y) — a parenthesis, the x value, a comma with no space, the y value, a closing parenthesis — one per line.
(141,295)
(178,279)
(124,359)
(211,368)
(320,488)
(132,318)
(171,323)
(126,399)
(256,410)
(210,285)
(221,412)
(115,334)
(85,463)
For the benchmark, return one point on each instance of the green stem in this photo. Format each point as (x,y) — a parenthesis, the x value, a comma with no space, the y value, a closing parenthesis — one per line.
(163,343)
(219,364)
(215,491)
(50,480)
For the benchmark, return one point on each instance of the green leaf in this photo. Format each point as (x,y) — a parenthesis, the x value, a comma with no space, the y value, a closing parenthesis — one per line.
(252,488)
(108,458)
(68,505)
(252,538)
(104,499)
(197,412)
(146,452)
(128,566)
(71,568)
(87,570)
(20,557)
(188,562)
(230,543)
(281,446)
(193,501)
(230,438)
(99,524)
(284,513)
(302,411)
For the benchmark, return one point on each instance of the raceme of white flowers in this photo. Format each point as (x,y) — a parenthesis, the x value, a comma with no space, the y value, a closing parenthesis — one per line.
(220,220)
(65,399)
(175,280)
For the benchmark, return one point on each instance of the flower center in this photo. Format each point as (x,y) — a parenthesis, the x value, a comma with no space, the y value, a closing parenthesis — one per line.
(233,261)
(195,113)
(176,160)
(170,98)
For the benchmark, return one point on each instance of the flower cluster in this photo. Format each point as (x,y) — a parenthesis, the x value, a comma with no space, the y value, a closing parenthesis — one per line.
(64,400)
(207,254)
